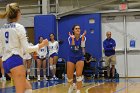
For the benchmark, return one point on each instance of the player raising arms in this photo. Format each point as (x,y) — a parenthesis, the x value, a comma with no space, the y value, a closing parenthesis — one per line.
(76,57)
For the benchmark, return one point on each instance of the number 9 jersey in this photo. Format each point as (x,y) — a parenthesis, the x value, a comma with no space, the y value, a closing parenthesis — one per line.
(13,40)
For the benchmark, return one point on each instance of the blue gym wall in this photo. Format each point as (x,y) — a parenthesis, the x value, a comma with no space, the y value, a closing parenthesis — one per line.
(46,24)
(93,43)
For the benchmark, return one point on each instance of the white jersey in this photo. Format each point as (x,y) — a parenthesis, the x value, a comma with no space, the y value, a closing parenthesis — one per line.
(13,40)
(53,47)
(42,53)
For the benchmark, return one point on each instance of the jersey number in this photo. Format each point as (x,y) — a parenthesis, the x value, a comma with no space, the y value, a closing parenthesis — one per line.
(7,37)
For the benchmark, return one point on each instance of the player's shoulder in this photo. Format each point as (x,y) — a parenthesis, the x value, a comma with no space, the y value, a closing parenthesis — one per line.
(56,41)
(18,25)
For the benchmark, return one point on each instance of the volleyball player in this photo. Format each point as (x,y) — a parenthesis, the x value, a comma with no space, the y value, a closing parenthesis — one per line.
(53,55)
(12,42)
(41,60)
(76,57)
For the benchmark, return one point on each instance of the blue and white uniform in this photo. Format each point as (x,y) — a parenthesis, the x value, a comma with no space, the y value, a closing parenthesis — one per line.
(75,51)
(42,53)
(13,41)
(53,48)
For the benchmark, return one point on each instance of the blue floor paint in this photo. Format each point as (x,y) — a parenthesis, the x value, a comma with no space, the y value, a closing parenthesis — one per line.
(35,85)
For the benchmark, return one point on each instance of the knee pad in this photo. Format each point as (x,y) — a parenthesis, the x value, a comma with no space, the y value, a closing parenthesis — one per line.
(79,78)
(69,80)
(51,67)
(54,66)
(28,70)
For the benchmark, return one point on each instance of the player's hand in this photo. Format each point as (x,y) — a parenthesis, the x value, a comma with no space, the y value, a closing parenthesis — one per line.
(71,35)
(83,35)
(45,42)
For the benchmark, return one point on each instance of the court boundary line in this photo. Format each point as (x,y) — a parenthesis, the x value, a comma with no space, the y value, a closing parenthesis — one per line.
(131,84)
(93,87)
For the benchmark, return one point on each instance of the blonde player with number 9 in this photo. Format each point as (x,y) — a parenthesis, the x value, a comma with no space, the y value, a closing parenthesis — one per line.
(13,40)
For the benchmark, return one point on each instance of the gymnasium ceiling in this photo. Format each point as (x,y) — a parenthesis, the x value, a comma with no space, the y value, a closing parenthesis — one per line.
(82,5)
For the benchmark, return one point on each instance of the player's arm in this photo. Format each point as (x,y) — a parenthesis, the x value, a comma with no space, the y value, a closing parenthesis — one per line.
(71,39)
(71,43)
(24,42)
(83,41)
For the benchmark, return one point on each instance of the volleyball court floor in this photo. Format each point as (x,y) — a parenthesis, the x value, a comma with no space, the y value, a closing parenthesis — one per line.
(131,85)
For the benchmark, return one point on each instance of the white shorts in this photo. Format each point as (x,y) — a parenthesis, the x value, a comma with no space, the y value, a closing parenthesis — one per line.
(27,56)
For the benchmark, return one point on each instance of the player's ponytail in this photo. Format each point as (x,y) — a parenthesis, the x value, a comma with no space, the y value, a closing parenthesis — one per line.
(11,12)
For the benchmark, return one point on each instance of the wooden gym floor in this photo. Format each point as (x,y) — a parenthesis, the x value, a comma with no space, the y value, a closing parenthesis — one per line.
(131,85)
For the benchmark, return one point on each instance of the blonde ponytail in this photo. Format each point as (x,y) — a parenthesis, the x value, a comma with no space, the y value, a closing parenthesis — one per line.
(11,11)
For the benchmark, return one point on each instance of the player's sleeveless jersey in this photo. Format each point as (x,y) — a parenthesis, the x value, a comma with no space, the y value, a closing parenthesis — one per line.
(76,50)
(53,47)
(42,53)
(13,40)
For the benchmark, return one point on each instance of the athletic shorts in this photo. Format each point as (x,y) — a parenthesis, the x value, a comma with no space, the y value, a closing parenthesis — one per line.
(75,59)
(110,60)
(41,58)
(12,62)
(54,54)
(27,56)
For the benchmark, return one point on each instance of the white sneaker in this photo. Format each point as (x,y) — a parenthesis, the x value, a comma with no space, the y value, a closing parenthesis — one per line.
(55,78)
(78,91)
(71,88)
(45,78)
(38,78)
(28,79)
(52,79)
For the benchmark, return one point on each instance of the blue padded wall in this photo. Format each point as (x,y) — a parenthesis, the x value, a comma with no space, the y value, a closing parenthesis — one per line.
(44,25)
(93,43)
